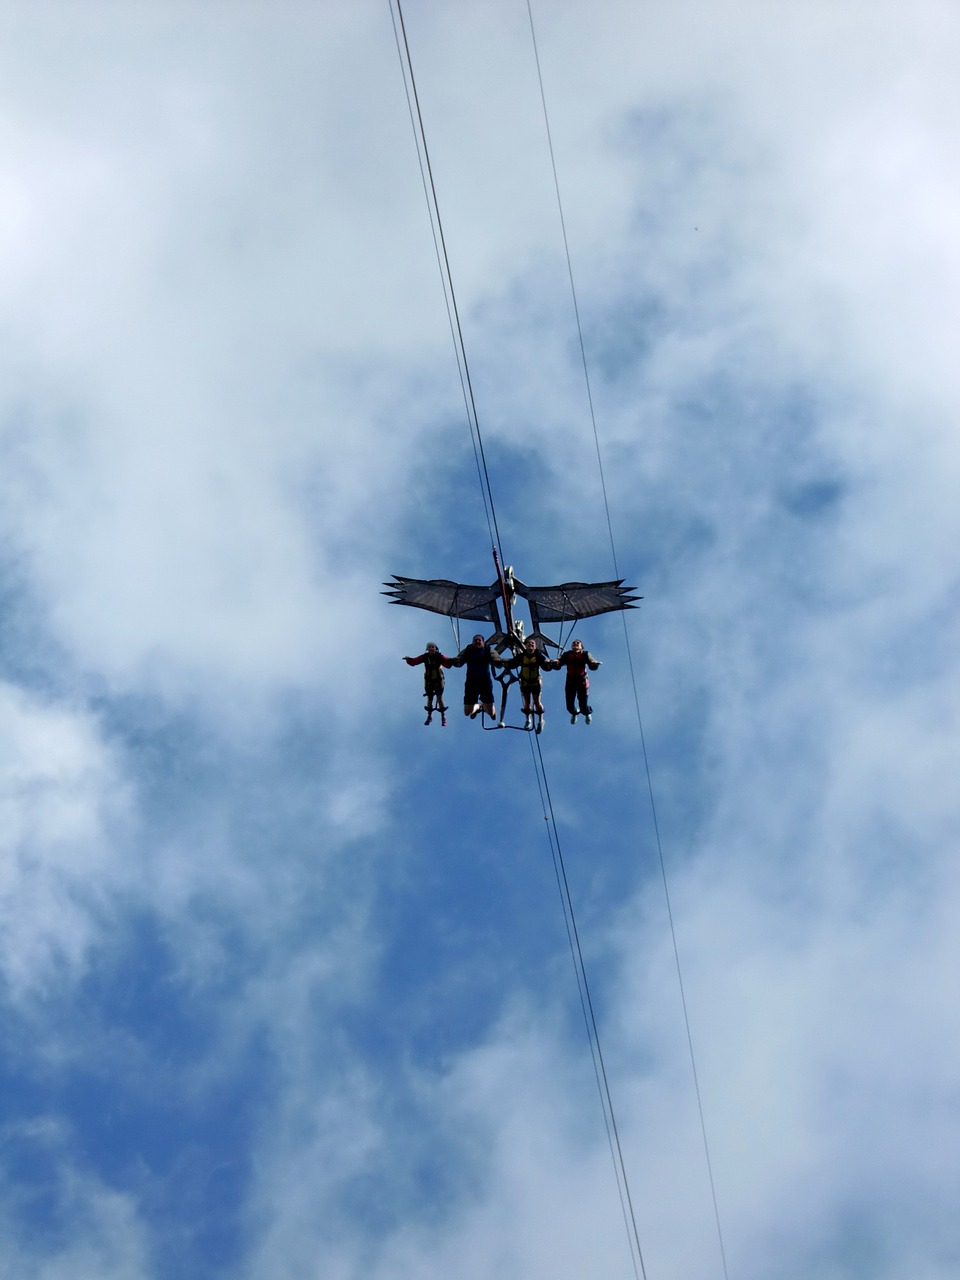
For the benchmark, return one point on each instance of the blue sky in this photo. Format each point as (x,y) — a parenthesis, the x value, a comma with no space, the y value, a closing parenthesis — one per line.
(284,983)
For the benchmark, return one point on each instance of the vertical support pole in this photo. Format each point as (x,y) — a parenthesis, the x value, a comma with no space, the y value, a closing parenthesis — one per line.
(504,594)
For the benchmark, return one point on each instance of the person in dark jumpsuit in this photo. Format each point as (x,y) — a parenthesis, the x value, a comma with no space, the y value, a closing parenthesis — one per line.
(479,659)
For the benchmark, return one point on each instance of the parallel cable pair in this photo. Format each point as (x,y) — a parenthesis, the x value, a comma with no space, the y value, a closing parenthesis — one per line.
(456,331)
(589,1017)
(483,475)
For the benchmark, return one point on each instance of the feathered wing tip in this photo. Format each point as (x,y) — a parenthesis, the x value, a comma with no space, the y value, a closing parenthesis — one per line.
(543,642)
(571,600)
(440,595)
(501,641)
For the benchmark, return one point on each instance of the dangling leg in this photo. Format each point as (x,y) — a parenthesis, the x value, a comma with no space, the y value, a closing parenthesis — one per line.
(486,700)
(570,691)
(527,709)
(582,696)
(471,699)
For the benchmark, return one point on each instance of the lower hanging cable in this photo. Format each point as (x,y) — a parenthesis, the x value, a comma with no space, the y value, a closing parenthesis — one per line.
(589,1017)
(626,636)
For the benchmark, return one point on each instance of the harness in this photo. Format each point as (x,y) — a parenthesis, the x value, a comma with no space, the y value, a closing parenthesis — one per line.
(433,669)
(530,664)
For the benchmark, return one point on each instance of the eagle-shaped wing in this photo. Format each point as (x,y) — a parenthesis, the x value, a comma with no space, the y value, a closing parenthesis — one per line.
(571,600)
(440,595)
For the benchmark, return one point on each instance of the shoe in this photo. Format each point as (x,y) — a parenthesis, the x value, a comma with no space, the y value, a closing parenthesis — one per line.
(428,719)
(443,722)
(474,714)
(528,722)
(573,718)
(540,724)
(587,718)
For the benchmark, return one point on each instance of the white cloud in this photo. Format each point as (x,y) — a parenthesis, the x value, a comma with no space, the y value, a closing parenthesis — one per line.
(98,1235)
(65,816)
(230,411)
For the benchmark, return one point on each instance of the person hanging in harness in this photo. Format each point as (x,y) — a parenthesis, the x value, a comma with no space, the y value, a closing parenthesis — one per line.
(577,660)
(530,662)
(479,658)
(433,663)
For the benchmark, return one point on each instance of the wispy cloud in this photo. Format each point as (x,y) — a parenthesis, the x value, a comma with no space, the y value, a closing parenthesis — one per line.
(285,976)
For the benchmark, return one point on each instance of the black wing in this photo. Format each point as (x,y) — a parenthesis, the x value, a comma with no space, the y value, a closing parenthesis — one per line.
(440,595)
(571,600)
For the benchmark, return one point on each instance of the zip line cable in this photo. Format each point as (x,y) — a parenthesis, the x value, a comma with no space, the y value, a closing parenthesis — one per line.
(626,636)
(571,936)
(443,262)
(589,1017)
(573,291)
(586,1002)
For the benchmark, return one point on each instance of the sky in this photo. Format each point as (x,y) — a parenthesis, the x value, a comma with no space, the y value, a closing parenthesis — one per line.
(285,988)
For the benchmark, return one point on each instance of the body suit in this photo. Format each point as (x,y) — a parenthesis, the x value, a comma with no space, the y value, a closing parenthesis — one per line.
(478,684)
(578,682)
(433,664)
